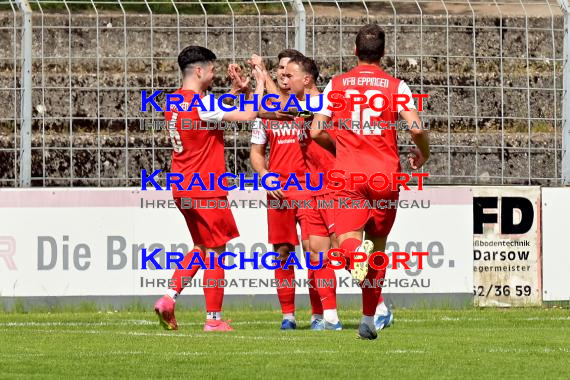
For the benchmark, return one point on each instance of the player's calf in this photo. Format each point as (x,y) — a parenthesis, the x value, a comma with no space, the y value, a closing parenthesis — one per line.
(325,282)
(286,287)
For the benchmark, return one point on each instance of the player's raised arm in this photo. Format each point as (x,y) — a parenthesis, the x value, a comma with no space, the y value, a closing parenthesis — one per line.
(240,84)
(250,110)
(271,88)
(215,113)
(270,85)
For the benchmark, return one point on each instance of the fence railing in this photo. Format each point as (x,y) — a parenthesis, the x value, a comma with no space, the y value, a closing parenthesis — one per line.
(496,73)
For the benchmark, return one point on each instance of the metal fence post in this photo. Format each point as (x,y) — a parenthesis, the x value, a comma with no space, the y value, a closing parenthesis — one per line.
(26,96)
(566,97)
(300,25)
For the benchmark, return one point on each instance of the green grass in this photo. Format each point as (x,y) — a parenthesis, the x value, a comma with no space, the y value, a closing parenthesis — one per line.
(475,343)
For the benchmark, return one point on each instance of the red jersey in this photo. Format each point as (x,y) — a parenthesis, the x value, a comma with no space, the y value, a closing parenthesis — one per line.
(284,153)
(317,159)
(196,151)
(371,146)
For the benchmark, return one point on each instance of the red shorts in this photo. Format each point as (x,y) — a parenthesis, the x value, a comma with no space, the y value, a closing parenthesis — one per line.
(282,224)
(211,227)
(320,219)
(376,221)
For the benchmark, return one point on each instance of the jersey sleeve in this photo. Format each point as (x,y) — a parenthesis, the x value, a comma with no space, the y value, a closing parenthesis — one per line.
(213,111)
(258,133)
(405,90)
(325,110)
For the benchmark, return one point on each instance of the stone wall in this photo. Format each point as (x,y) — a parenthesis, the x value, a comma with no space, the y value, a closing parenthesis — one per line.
(468,117)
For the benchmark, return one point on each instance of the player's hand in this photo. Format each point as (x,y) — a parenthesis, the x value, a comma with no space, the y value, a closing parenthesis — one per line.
(280,115)
(239,83)
(258,75)
(276,194)
(416,158)
(256,60)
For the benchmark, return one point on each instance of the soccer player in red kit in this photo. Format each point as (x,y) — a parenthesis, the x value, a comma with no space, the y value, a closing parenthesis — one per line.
(369,150)
(300,76)
(201,151)
(284,158)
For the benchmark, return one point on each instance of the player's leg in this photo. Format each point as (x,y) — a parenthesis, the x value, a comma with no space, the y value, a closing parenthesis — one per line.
(377,229)
(282,230)
(314,297)
(349,225)
(285,286)
(320,227)
(325,282)
(383,317)
(218,229)
(302,217)
(208,228)
(214,291)
(370,293)
(164,306)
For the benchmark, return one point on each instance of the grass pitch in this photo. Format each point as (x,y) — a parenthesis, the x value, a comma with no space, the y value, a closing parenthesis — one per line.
(519,343)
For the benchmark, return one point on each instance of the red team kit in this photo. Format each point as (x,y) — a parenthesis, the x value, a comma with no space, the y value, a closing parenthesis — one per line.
(299,151)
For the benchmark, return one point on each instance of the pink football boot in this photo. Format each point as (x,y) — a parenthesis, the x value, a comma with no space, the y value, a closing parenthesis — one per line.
(217,325)
(164,308)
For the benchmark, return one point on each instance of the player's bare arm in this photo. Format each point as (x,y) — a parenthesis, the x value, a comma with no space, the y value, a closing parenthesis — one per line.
(256,60)
(259,164)
(272,88)
(240,84)
(320,135)
(249,112)
(276,115)
(419,154)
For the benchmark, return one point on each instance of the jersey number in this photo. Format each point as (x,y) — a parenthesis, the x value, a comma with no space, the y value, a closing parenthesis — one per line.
(174,135)
(363,115)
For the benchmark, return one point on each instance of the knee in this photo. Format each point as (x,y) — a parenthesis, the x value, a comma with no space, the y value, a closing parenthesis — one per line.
(283,256)
(316,256)
(283,251)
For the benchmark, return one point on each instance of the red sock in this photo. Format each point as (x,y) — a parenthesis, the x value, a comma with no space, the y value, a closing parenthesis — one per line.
(327,293)
(286,292)
(371,290)
(316,305)
(213,292)
(381,298)
(179,273)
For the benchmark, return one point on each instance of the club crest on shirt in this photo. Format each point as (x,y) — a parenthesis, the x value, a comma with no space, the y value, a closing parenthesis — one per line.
(183,105)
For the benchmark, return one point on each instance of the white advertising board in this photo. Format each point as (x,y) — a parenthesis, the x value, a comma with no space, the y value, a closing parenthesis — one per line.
(84,242)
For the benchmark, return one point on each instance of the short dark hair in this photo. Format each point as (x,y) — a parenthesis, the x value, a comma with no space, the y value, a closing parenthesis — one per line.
(289,53)
(370,43)
(194,54)
(308,65)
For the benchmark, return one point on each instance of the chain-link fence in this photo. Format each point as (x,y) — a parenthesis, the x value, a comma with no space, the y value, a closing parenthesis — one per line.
(493,71)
